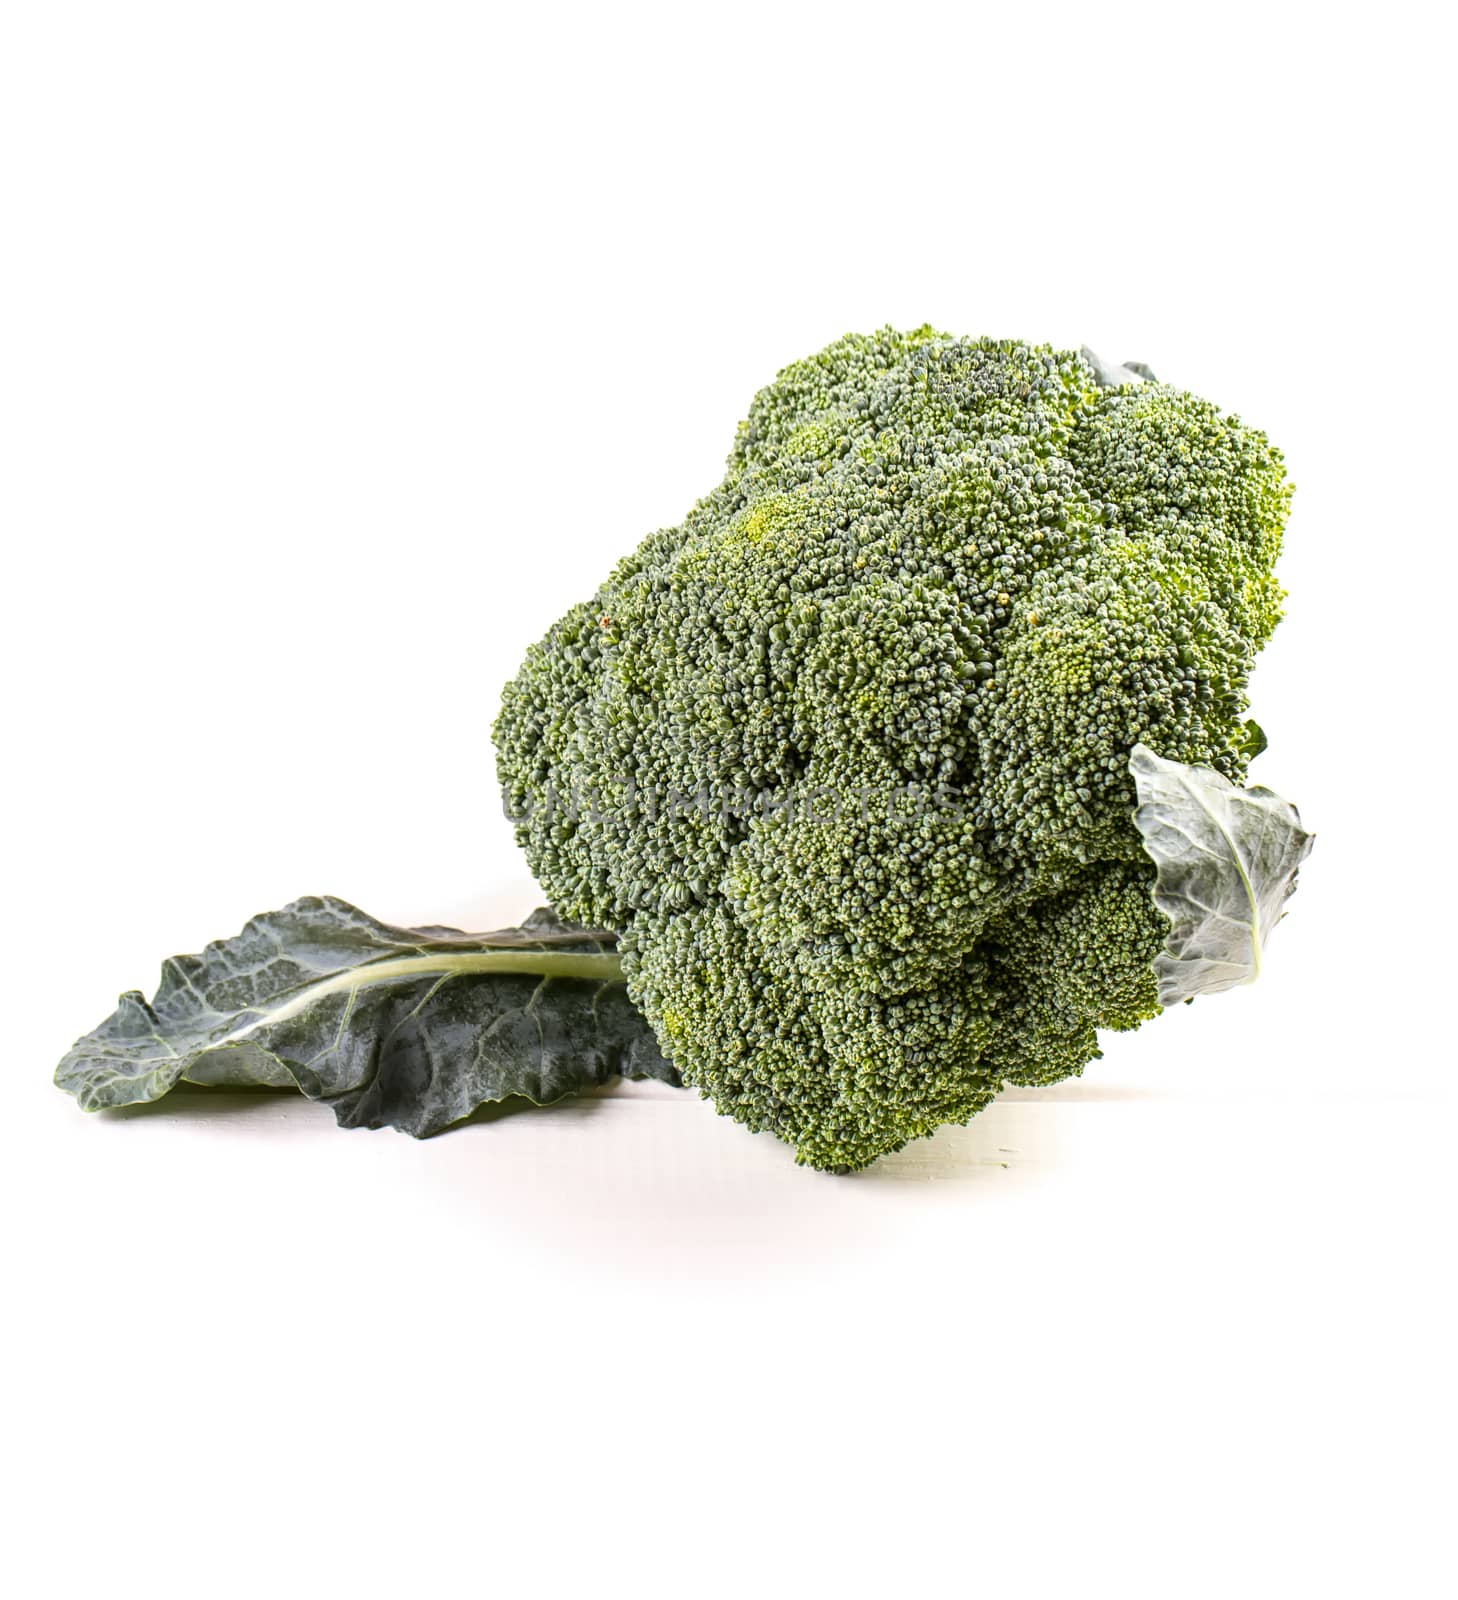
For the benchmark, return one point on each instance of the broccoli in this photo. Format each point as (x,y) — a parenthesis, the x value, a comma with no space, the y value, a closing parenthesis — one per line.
(844,758)
(902,766)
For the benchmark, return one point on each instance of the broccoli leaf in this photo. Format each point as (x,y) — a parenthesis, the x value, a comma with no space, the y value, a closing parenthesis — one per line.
(1250,740)
(411,1028)
(1111,375)
(1226,861)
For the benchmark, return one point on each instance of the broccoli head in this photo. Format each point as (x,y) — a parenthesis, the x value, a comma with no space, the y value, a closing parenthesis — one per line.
(844,757)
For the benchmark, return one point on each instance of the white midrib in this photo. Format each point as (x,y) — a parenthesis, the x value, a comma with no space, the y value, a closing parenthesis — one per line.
(1245,883)
(606,968)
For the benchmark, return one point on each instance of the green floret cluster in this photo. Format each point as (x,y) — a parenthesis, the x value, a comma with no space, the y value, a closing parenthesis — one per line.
(844,757)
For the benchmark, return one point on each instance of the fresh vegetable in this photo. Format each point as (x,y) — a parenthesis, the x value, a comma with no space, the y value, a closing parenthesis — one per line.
(410,1028)
(1226,862)
(844,756)
(905,763)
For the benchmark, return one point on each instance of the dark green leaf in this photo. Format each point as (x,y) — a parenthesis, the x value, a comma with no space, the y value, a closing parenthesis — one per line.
(411,1028)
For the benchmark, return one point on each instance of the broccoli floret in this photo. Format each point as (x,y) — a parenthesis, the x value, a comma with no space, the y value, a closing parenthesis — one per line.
(844,757)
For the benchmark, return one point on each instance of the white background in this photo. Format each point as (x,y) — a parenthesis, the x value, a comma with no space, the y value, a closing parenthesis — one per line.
(343,348)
